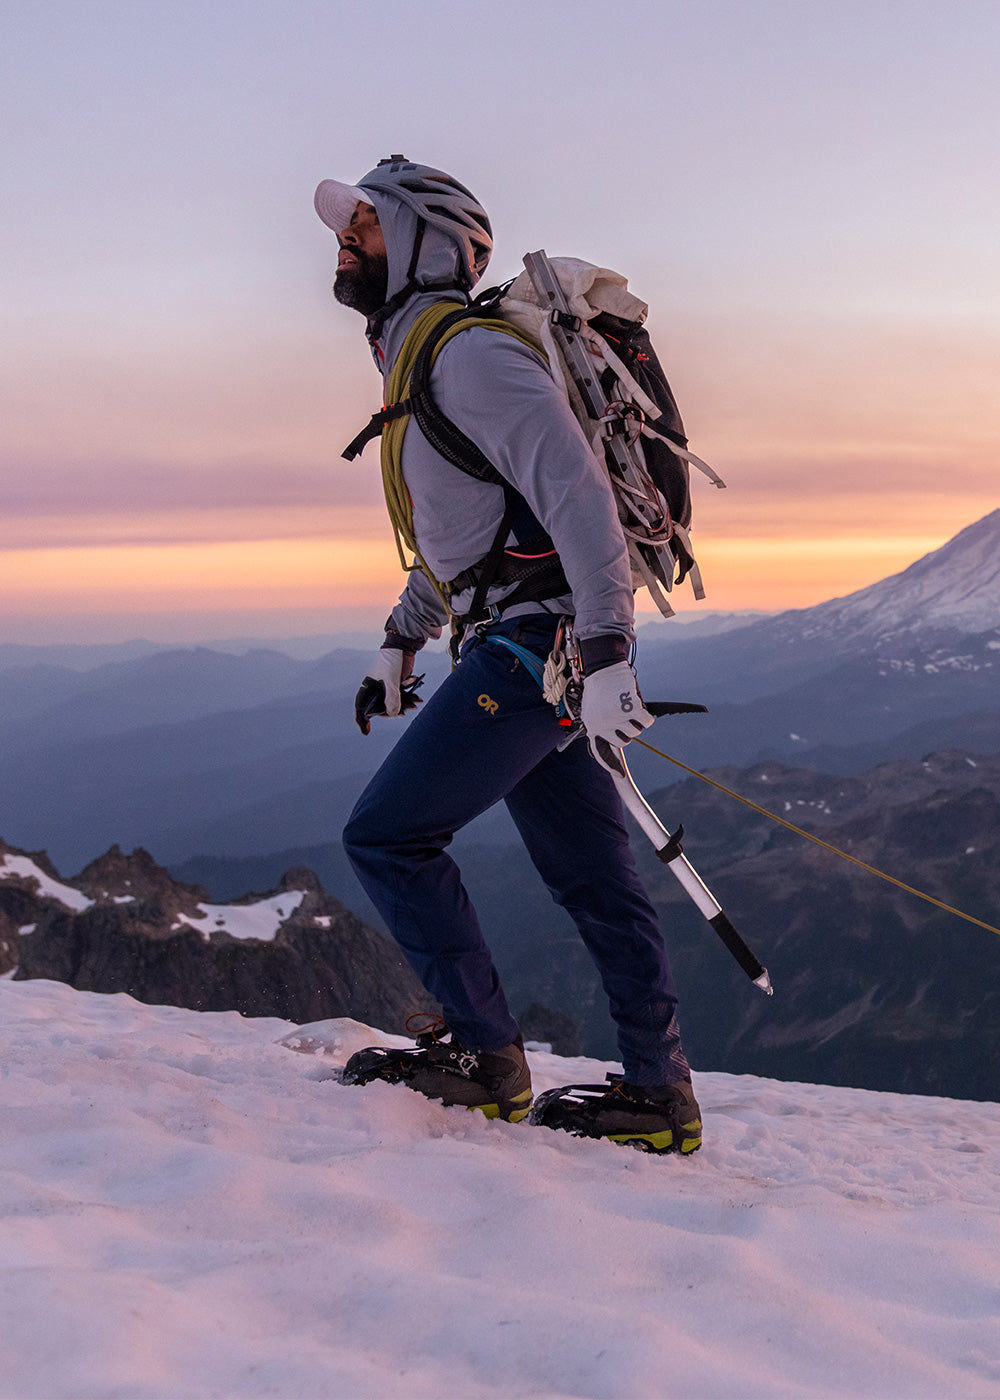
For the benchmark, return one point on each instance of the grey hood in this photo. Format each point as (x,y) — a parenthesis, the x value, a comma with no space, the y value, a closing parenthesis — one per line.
(438,263)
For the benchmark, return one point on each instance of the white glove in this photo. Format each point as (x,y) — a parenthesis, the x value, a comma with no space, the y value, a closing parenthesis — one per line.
(612,712)
(382,690)
(392,666)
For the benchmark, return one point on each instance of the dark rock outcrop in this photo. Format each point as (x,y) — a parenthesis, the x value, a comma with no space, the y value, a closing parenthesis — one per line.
(547,1027)
(20,902)
(125,925)
(874,987)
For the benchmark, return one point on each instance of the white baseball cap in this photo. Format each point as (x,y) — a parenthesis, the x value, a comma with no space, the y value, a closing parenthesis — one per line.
(336,202)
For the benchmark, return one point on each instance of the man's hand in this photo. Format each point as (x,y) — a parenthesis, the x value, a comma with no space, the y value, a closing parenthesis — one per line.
(612,712)
(389,687)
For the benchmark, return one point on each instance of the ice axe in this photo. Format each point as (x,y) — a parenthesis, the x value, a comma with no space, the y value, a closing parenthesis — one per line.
(668,849)
(562,686)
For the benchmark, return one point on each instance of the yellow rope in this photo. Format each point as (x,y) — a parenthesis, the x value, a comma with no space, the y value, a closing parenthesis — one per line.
(397,497)
(398,501)
(790,826)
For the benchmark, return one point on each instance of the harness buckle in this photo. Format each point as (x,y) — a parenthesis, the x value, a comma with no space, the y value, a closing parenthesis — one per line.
(493,614)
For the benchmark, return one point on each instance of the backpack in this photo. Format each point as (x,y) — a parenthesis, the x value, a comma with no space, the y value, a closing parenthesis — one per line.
(590,327)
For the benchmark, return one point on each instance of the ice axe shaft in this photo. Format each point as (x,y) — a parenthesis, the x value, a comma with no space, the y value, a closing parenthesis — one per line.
(668,849)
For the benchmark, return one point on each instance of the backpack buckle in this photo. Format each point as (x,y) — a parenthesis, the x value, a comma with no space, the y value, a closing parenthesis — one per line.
(565,320)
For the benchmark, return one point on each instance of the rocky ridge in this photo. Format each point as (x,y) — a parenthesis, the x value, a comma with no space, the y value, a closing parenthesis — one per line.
(874,986)
(125,925)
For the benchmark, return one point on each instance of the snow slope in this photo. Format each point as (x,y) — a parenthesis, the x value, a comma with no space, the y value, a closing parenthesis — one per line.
(188,1209)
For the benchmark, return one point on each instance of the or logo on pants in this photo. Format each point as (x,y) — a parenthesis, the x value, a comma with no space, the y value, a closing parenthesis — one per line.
(490,706)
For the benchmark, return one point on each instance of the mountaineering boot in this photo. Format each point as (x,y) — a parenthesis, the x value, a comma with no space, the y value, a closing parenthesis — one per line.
(496,1082)
(661,1119)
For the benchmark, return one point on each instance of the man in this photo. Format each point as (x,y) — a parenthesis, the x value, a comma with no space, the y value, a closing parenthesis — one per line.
(411,236)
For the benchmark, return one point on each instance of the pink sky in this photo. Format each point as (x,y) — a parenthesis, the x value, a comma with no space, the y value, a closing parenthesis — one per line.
(806,196)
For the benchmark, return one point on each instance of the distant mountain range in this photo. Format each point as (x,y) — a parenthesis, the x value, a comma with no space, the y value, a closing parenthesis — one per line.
(204,752)
(87,656)
(873,719)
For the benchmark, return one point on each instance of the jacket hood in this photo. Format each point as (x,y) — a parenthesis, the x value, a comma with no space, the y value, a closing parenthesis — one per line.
(437,267)
(438,260)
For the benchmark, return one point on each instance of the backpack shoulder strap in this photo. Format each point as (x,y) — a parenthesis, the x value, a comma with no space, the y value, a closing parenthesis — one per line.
(439,430)
(426,330)
(408,394)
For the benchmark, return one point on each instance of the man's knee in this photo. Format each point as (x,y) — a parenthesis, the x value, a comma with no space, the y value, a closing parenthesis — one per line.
(365,829)
(377,826)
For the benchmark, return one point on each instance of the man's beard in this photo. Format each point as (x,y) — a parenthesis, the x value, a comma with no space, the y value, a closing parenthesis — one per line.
(363,288)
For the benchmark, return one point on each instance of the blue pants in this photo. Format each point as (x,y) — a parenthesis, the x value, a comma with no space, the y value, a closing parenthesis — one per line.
(485,734)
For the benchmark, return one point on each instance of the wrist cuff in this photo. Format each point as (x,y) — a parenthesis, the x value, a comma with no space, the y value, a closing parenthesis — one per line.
(606,649)
(395,641)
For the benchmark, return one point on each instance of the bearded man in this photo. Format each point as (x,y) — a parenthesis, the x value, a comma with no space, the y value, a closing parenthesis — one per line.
(410,237)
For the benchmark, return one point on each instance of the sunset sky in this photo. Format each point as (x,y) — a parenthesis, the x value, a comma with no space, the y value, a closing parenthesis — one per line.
(805,192)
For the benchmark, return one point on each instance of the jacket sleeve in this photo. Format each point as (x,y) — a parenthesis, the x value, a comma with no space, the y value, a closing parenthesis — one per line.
(420,613)
(500,393)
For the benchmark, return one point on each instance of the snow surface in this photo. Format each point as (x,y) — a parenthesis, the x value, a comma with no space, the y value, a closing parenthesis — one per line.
(25,867)
(262,919)
(191,1210)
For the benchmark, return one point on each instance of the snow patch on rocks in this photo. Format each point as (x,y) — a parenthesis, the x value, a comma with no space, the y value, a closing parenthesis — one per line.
(24,868)
(261,919)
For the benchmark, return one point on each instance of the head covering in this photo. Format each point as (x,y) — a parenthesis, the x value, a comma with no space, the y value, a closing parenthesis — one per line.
(336,202)
(437,200)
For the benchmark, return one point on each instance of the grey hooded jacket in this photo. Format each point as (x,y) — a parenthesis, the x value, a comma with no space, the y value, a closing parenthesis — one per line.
(501,395)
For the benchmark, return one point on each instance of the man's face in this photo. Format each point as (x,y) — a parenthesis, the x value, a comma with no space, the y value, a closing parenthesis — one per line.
(362,279)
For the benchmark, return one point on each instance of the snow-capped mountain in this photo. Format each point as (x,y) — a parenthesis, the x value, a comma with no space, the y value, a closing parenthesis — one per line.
(125,925)
(955,588)
(940,616)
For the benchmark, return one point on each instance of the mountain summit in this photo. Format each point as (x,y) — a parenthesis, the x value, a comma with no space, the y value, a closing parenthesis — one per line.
(940,615)
(955,588)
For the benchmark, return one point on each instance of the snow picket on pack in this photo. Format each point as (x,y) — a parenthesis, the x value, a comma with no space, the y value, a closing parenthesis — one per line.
(591,329)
